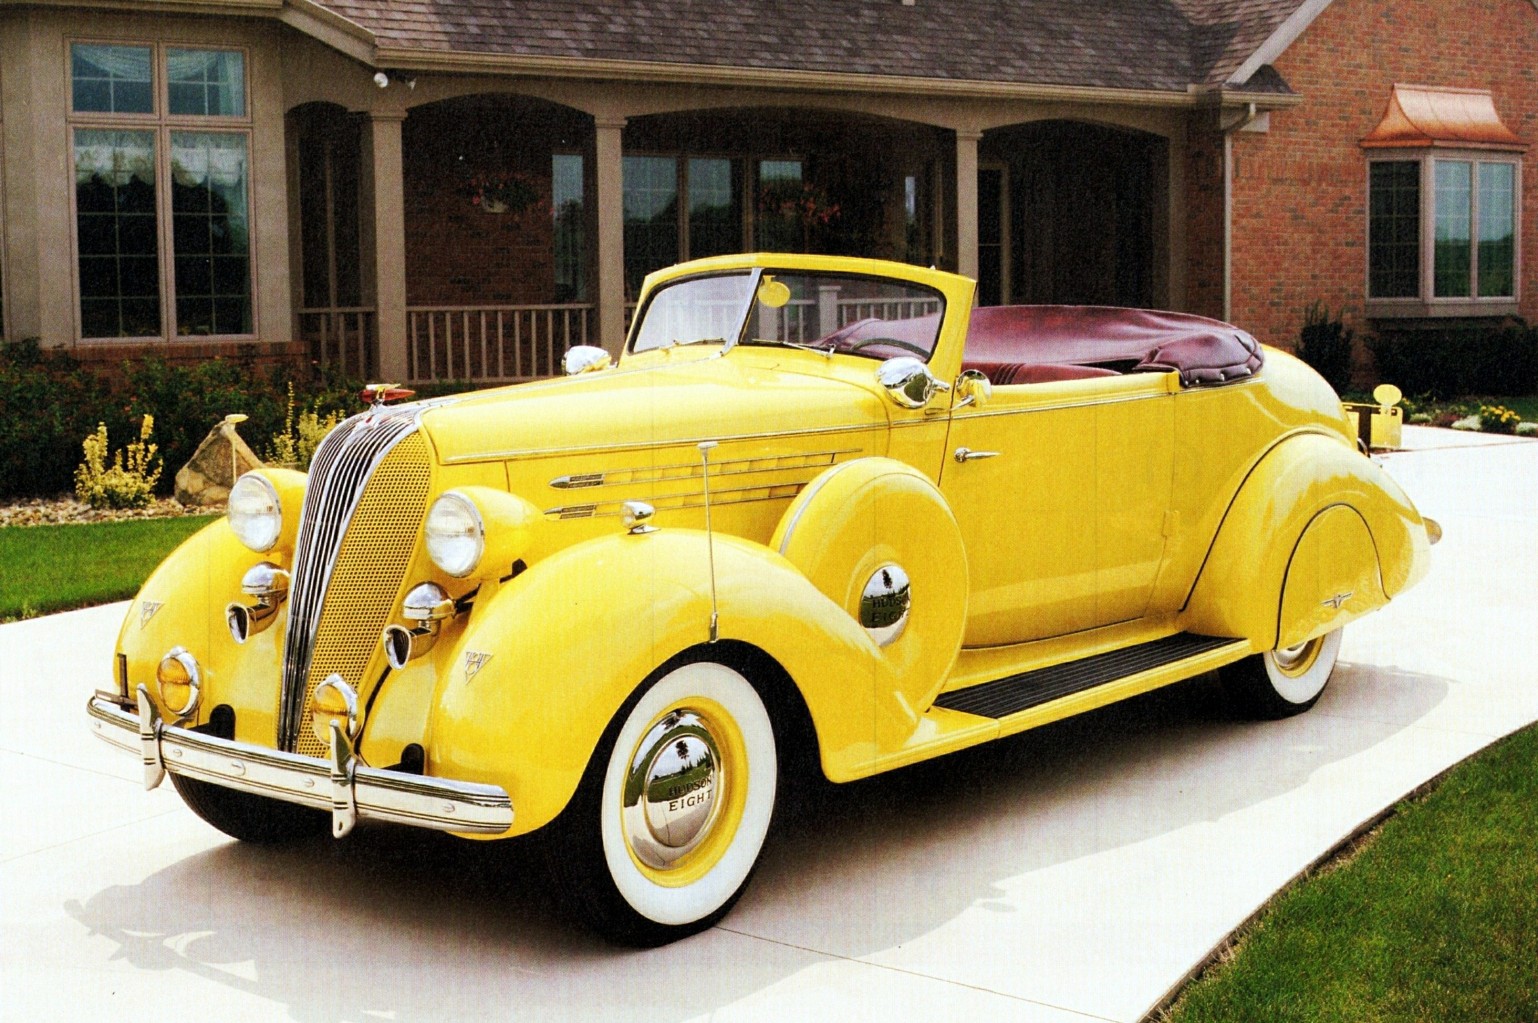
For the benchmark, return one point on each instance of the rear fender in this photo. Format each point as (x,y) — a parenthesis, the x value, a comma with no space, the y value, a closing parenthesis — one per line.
(1332,577)
(545,663)
(1317,535)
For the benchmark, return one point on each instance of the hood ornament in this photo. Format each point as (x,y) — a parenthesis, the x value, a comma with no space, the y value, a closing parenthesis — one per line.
(378,395)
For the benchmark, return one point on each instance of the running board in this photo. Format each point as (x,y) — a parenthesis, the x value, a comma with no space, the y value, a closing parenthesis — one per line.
(1015,693)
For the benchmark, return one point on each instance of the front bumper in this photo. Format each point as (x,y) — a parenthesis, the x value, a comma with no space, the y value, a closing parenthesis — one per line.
(342,784)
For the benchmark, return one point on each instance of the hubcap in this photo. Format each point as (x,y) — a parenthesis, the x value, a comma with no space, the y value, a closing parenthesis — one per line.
(1295,660)
(885,603)
(672,789)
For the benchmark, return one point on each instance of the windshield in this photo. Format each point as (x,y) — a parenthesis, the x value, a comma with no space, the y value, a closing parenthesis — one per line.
(694,310)
(835,313)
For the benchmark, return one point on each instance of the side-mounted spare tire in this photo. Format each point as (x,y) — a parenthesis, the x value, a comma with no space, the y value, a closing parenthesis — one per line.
(877,537)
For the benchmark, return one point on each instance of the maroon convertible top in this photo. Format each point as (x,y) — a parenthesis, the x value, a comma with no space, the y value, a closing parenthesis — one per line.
(1028,343)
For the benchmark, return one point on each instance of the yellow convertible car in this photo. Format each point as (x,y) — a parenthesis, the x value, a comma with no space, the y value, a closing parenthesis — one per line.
(822,511)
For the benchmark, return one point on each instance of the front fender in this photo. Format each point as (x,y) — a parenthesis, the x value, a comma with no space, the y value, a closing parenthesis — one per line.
(1322,523)
(546,661)
(182,604)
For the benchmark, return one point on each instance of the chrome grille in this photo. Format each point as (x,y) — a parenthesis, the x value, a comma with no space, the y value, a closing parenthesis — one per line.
(342,468)
(362,596)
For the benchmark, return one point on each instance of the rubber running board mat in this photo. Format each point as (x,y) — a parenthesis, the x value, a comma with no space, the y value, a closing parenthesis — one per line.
(1014,693)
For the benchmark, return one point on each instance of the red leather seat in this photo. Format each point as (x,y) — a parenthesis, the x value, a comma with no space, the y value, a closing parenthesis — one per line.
(1042,372)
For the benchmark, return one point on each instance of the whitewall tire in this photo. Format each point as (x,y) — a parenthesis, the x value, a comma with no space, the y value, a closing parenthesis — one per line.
(666,830)
(1280,683)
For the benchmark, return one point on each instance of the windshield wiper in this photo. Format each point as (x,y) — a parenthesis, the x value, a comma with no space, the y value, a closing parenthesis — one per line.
(827,352)
(679,342)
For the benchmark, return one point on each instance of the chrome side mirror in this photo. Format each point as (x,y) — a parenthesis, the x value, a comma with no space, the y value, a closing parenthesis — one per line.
(909,381)
(585,359)
(973,388)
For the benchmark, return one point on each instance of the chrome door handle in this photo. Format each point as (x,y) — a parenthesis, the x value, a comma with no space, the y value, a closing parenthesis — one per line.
(968,455)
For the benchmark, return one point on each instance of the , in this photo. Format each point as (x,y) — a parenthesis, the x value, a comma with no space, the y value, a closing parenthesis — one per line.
(822,512)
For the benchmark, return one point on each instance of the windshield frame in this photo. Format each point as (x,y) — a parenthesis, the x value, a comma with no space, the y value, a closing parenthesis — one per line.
(756,273)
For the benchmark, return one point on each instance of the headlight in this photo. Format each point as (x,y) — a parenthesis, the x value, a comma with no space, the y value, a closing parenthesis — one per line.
(255,513)
(456,536)
(479,529)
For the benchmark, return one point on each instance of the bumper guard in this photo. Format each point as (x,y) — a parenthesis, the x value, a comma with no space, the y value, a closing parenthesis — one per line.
(342,784)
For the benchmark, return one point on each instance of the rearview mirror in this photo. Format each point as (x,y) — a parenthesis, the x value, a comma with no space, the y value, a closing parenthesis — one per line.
(773,293)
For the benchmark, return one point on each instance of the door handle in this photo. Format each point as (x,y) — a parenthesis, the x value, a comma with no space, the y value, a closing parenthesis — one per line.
(968,455)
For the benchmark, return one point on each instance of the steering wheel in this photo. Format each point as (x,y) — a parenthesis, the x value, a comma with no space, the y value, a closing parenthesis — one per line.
(892,342)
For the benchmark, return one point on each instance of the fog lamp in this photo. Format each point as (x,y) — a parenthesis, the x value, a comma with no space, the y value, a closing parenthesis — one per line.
(179,681)
(429,606)
(334,700)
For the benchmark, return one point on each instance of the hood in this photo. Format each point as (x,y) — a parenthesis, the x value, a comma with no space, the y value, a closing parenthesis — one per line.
(746,393)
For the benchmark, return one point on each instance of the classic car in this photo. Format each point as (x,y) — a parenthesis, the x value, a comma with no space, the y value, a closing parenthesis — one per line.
(822,511)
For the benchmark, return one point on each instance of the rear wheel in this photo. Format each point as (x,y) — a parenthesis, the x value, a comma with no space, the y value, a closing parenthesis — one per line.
(250,818)
(1280,683)
(666,827)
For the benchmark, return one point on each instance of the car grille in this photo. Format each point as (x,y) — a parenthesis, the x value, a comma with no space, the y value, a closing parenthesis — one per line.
(362,511)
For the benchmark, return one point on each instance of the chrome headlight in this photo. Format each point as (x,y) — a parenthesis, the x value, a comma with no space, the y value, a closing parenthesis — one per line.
(456,536)
(255,513)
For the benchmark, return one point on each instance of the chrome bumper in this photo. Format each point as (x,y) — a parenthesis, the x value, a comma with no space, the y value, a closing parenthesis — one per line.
(349,789)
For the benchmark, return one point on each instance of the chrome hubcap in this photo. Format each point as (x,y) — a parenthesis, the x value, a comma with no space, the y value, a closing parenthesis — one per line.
(671,789)
(1290,659)
(885,603)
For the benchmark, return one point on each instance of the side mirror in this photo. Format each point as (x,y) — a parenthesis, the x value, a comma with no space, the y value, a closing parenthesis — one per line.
(585,359)
(909,381)
(973,388)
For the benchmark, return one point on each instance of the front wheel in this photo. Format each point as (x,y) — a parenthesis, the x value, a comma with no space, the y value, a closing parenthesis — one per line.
(1281,683)
(250,818)
(665,829)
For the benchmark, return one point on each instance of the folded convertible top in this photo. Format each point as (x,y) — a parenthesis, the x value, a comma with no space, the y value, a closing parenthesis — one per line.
(1202,351)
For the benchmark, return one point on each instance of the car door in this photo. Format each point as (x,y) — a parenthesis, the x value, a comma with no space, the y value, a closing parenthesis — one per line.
(1060,490)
